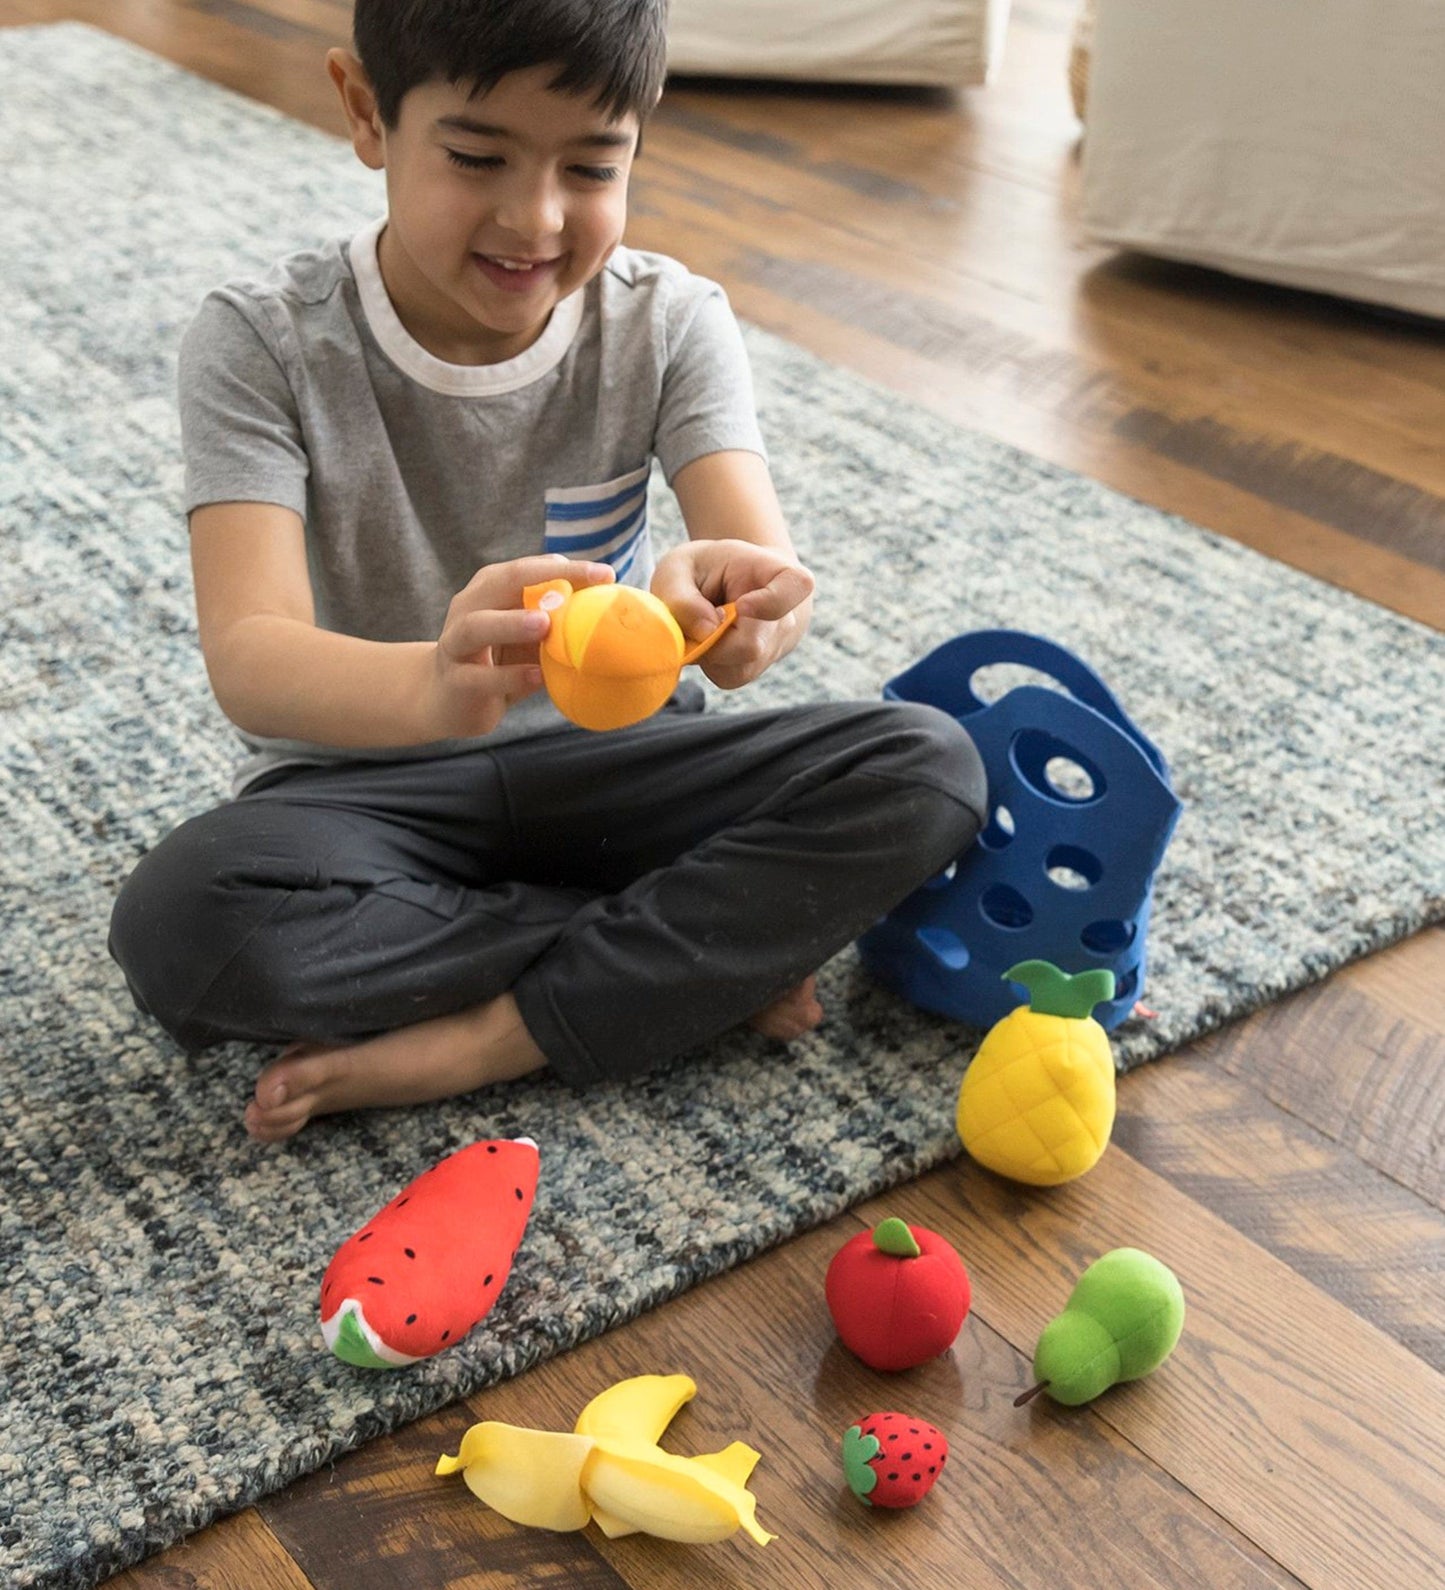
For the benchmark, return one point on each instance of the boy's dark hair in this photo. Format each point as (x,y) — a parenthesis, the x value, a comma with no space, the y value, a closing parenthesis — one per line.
(614,49)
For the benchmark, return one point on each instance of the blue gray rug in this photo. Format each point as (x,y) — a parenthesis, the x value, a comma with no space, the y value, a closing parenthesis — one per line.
(159,1350)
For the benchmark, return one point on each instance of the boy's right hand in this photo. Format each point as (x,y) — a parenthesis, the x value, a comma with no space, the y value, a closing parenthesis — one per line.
(486,656)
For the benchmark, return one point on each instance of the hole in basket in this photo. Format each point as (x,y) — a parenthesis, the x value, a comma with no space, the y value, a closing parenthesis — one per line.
(1128,985)
(1055,770)
(941,880)
(1107,937)
(1000,830)
(995,680)
(1006,907)
(1071,867)
(946,948)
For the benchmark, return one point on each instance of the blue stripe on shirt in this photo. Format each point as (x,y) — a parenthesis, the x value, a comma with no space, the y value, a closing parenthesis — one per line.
(595,538)
(621,566)
(590,509)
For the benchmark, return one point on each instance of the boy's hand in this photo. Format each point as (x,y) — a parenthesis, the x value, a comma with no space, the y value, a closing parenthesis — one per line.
(486,656)
(773,592)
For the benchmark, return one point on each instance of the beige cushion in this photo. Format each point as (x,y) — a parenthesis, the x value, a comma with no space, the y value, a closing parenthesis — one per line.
(949,42)
(1297,141)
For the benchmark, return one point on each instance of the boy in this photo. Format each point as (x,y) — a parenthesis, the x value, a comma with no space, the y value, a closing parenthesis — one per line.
(427,881)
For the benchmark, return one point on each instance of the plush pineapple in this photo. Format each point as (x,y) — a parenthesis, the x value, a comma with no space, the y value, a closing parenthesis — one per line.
(1037,1101)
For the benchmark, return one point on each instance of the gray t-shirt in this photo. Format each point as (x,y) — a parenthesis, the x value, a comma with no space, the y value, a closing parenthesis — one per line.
(304,388)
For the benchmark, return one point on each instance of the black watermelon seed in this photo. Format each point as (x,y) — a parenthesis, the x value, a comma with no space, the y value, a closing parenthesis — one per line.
(931,1469)
(519,1193)
(892,1476)
(376,1280)
(366,1236)
(917,1476)
(401,1201)
(491,1148)
(411,1319)
(410,1253)
(445,1334)
(907,1457)
(488,1281)
(894,1436)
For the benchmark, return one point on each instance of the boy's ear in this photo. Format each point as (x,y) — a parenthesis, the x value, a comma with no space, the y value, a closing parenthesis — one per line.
(358,100)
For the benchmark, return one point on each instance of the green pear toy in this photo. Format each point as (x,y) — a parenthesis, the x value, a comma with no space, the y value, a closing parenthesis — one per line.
(1121,1322)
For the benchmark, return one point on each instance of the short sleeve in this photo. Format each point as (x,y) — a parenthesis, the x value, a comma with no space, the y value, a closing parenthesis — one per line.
(707,390)
(240,430)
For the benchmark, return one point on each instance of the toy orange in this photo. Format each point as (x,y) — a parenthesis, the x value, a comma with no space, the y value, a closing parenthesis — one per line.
(613,653)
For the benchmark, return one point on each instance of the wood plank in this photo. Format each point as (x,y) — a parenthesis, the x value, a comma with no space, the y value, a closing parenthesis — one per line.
(381,1520)
(1306,1428)
(1368,1080)
(1350,1231)
(1407,978)
(294,23)
(313,22)
(239,1553)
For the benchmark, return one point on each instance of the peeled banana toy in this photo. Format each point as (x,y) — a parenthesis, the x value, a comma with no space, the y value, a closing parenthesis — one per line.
(1037,1101)
(898,1295)
(1121,1322)
(613,653)
(422,1272)
(610,1471)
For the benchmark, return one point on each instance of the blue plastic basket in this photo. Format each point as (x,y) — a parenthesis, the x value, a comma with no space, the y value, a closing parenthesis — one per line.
(1080,814)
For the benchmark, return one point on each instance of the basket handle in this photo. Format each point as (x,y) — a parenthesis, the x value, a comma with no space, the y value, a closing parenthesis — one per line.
(983,648)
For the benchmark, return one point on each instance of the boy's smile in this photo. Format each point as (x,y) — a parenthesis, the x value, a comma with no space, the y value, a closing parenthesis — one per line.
(515,275)
(499,205)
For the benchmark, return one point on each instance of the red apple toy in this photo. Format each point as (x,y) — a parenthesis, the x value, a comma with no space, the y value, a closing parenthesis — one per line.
(898,1295)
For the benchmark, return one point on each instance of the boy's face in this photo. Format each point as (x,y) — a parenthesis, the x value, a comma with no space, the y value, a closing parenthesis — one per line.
(499,205)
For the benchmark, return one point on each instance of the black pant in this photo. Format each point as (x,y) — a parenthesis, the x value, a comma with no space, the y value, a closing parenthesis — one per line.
(639,891)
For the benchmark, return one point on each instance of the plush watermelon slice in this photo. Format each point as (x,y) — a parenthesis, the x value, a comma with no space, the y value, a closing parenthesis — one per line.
(421,1273)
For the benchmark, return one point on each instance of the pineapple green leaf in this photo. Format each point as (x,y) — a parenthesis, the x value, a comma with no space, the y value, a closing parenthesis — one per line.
(1056,993)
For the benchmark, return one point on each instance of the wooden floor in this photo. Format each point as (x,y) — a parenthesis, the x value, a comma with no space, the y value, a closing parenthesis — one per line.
(1291,1168)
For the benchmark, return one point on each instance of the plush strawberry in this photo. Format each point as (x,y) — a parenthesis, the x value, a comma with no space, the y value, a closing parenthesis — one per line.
(898,1295)
(421,1273)
(892,1459)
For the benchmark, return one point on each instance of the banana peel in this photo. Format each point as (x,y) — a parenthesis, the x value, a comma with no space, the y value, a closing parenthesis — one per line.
(610,1471)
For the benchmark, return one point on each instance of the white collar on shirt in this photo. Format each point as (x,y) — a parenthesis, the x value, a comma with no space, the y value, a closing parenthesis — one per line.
(455,380)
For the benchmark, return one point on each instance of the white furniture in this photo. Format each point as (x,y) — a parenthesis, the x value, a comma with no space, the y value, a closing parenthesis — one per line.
(938,42)
(1296,141)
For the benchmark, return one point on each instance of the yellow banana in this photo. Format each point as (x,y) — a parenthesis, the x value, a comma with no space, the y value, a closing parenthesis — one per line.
(639,1409)
(611,1470)
(530,1476)
(734,1465)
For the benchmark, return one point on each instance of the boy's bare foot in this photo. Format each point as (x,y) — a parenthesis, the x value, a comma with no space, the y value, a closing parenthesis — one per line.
(791,1014)
(431,1060)
(438,1059)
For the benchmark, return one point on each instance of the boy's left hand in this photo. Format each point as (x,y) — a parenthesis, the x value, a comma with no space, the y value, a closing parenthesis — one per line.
(772,590)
